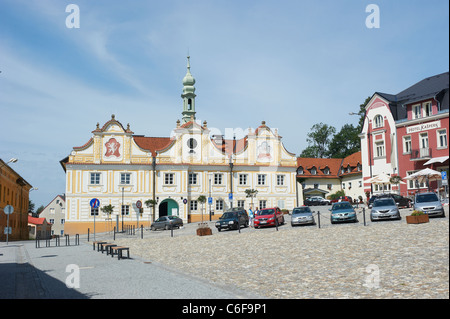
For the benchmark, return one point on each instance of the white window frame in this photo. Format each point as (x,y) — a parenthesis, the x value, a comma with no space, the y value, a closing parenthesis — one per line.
(193,205)
(262,204)
(427,109)
(125,210)
(379,149)
(218,178)
(378,121)
(125,178)
(219,204)
(441,143)
(241,203)
(243,179)
(169,178)
(192,179)
(261,179)
(407,144)
(416,111)
(95,178)
(280,180)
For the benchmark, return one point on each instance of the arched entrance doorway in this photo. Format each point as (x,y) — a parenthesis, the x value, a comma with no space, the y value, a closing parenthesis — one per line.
(168,207)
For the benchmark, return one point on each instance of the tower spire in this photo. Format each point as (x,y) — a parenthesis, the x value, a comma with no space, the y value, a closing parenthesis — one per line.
(188,95)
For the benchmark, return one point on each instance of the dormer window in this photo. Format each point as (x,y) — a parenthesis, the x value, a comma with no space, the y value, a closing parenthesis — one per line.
(326,171)
(349,169)
(427,110)
(300,170)
(313,171)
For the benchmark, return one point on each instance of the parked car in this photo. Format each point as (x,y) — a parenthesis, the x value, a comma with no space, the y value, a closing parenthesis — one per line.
(399,200)
(429,203)
(165,222)
(343,212)
(316,201)
(342,199)
(233,219)
(268,217)
(302,216)
(384,208)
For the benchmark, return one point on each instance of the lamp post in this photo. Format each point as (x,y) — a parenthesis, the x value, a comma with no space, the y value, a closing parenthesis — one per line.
(209,202)
(231,181)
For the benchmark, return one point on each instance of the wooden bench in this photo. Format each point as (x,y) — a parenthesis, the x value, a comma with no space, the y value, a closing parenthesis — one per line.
(107,247)
(119,250)
(98,244)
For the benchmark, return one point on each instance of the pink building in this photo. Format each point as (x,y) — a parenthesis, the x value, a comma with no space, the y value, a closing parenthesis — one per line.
(407,132)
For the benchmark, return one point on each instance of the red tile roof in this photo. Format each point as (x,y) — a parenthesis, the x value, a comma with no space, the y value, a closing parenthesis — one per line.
(35,220)
(152,144)
(333,164)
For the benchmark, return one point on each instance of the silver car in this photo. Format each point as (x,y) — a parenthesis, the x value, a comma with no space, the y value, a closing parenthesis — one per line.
(429,203)
(302,216)
(383,209)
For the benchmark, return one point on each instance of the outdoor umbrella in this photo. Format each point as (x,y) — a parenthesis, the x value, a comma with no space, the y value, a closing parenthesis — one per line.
(425,175)
(380,179)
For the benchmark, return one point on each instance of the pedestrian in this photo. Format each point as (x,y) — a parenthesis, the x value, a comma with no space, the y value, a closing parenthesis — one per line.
(251,216)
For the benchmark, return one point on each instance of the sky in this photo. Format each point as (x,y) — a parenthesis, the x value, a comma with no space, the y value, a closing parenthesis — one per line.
(290,63)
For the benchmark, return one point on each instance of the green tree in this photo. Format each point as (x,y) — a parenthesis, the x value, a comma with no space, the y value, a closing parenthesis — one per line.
(251,193)
(319,140)
(345,142)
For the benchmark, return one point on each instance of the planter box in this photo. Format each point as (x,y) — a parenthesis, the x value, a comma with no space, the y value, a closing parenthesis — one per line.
(417,219)
(204,231)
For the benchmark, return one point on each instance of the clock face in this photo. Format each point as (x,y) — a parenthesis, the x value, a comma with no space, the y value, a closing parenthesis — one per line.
(192,143)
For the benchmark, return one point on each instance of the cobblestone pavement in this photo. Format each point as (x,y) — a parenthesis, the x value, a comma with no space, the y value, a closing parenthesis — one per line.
(388,259)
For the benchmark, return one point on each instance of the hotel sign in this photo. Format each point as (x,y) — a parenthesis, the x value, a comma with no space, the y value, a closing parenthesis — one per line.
(423,127)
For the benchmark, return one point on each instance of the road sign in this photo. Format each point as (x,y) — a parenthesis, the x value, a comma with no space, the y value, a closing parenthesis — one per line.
(139,204)
(209,200)
(8,230)
(94,203)
(230,196)
(444,175)
(185,201)
(8,210)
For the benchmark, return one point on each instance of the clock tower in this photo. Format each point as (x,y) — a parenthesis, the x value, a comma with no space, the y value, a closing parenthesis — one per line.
(188,95)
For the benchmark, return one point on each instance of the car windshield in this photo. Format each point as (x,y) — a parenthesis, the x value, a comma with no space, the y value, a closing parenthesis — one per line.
(172,217)
(301,210)
(266,212)
(342,205)
(425,198)
(228,215)
(384,202)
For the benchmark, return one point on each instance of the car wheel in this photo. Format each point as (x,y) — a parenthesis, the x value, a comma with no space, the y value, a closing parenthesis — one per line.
(218,229)
(153,228)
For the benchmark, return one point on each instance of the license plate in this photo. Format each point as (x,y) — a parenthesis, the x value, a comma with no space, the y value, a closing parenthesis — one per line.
(263,222)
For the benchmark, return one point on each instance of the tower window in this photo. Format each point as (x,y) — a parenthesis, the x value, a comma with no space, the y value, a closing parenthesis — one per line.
(189,104)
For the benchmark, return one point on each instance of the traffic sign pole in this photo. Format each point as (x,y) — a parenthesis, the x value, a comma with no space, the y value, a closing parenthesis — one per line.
(8,210)
(94,203)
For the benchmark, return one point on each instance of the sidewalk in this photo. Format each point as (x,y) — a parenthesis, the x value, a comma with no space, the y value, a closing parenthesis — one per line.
(41,273)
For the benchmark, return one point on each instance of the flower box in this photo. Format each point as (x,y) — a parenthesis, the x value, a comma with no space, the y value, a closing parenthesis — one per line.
(419,219)
(203,230)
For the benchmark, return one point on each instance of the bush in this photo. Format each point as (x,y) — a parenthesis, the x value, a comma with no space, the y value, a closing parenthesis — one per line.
(417,213)
(285,211)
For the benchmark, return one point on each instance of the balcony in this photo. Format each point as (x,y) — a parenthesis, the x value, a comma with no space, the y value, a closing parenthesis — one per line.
(421,154)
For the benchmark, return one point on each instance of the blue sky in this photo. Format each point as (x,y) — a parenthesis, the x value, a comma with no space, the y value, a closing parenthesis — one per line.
(290,63)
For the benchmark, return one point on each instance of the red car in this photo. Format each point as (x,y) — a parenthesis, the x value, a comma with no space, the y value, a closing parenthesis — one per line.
(267,217)
(342,199)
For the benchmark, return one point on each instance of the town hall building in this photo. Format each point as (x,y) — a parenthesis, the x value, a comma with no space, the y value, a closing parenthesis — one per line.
(123,169)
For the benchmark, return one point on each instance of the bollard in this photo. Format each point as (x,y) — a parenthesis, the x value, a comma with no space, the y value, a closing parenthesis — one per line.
(171,229)
(142,231)
(67,240)
(276,222)
(77,239)
(318,218)
(364,215)
(38,242)
(57,240)
(88,234)
(114,233)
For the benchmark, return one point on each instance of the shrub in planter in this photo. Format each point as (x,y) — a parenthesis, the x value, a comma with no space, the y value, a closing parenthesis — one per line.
(417,217)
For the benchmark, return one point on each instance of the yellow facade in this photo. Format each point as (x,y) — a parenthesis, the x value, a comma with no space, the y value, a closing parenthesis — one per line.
(115,166)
